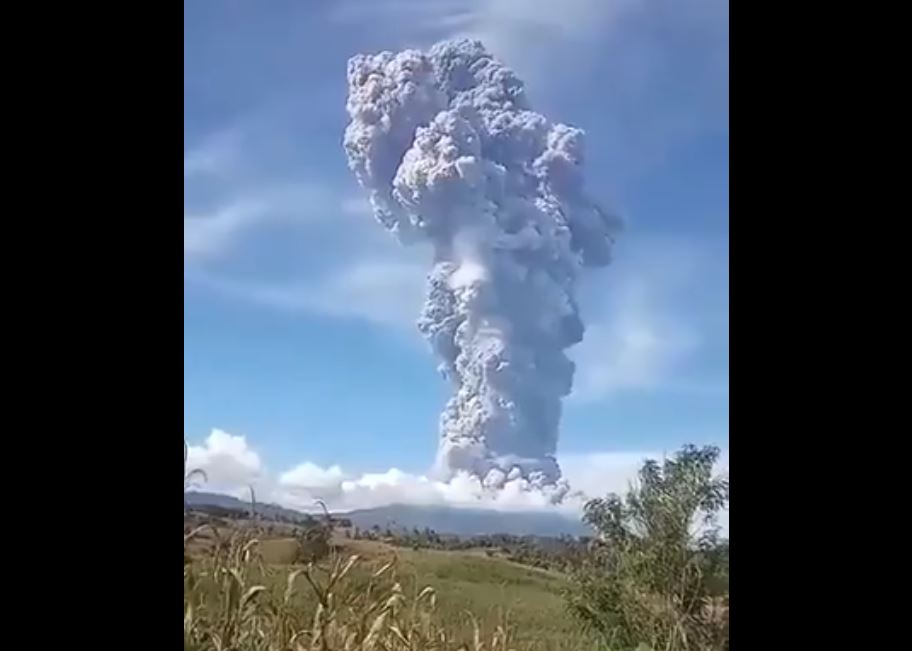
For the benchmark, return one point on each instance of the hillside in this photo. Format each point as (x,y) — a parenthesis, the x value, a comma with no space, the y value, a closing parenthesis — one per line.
(490,588)
(467,522)
(268,511)
(442,519)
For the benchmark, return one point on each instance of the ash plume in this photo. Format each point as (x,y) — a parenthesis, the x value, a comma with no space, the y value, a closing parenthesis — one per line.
(452,155)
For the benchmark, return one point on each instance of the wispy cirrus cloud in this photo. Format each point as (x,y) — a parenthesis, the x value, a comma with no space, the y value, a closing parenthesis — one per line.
(661,66)
(216,155)
(638,350)
(386,293)
(510,28)
(642,334)
(647,319)
(498,20)
(213,232)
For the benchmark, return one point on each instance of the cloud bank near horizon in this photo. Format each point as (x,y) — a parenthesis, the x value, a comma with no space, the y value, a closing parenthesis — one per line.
(232,466)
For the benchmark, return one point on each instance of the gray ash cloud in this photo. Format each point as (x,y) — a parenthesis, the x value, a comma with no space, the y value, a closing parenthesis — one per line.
(452,155)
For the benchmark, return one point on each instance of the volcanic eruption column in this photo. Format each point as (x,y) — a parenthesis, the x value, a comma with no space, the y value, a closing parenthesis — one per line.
(452,155)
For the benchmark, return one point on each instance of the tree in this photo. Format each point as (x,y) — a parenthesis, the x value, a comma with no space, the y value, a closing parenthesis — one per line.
(652,575)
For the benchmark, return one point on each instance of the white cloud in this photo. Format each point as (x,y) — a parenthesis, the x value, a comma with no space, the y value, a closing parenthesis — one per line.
(408,13)
(374,279)
(214,233)
(525,33)
(644,325)
(344,493)
(640,336)
(638,349)
(211,234)
(598,473)
(589,474)
(215,156)
(308,479)
(515,30)
(232,465)
(357,206)
(229,463)
(642,50)
(499,21)
(388,293)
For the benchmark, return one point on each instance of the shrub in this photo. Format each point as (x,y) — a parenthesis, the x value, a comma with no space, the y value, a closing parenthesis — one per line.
(313,543)
(649,576)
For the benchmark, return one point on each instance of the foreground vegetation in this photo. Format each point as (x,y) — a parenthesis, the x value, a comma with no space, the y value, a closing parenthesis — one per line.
(643,582)
(649,579)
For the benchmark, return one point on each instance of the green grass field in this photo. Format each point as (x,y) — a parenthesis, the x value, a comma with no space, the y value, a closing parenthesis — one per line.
(529,600)
(495,591)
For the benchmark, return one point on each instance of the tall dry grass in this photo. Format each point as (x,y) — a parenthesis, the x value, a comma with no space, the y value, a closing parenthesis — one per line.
(229,606)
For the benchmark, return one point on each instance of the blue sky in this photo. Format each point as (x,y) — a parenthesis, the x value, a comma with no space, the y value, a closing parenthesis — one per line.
(299,343)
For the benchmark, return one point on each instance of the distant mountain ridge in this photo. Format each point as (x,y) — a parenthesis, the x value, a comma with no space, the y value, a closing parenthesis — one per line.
(467,522)
(442,519)
(201,498)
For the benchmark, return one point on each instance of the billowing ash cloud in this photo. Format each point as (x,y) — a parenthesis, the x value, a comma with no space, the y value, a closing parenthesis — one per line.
(452,155)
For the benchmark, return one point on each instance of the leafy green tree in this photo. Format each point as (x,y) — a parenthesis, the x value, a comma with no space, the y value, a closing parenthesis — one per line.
(657,571)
